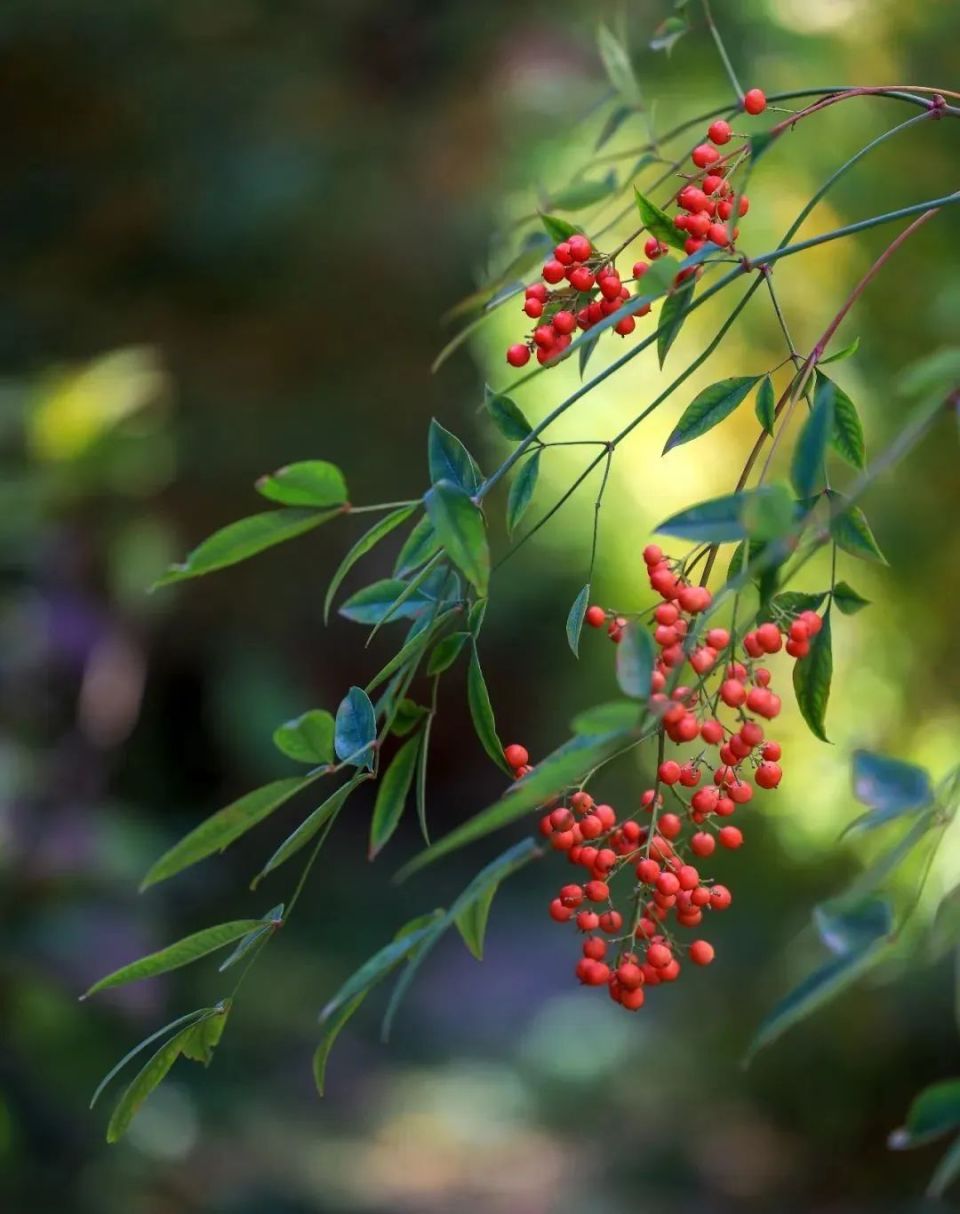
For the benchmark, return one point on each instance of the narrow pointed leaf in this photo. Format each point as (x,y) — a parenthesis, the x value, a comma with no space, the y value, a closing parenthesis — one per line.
(146,1080)
(811,681)
(356,728)
(586,192)
(323,816)
(507,416)
(933,1113)
(889,787)
(381,601)
(481,711)
(848,600)
(558,229)
(245,538)
(845,352)
(607,718)
(575,619)
(419,546)
(423,759)
(332,1029)
(619,69)
(672,315)
(461,530)
(392,793)
(408,715)
(522,490)
(374,969)
(658,223)
(635,659)
(446,652)
(766,406)
(307,738)
(851,531)
(183,952)
(709,408)
(615,120)
(807,465)
(364,544)
(846,437)
(725,519)
(412,649)
(946,1172)
(268,925)
(449,460)
(312,482)
(179,1023)
(204,1036)
(816,990)
(221,829)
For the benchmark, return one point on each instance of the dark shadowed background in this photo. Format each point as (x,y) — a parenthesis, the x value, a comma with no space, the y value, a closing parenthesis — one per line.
(229,229)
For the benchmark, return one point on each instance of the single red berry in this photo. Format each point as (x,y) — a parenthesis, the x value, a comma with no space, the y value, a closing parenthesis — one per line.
(595,616)
(797,649)
(588,920)
(754,101)
(640,268)
(648,870)
(625,326)
(518,355)
(720,132)
(702,844)
(533,308)
(730,836)
(733,693)
(537,290)
(711,732)
(559,912)
(813,621)
(659,956)
(704,156)
(701,952)
(771,752)
(595,948)
(599,891)
(654,249)
(610,285)
(718,234)
(669,825)
(720,897)
(554,271)
(564,322)
(582,279)
(752,733)
(516,755)
(769,637)
(580,247)
(630,975)
(668,883)
(611,921)
(768,775)
(669,771)
(633,1000)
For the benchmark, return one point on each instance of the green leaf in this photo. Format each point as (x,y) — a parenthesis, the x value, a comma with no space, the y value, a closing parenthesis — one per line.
(332,1029)
(811,681)
(668,33)
(845,352)
(307,738)
(575,619)
(851,531)
(946,1172)
(408,715)
(422,761)
(672,315)
(558,229)
(472,922)
(616,61)
(204,1036)
(847,599)
(887,862)
(392,793)
(190,1019)
(935,1112)
(815,990)
(658,223)
(183,952)
(791,602)
(481,710)
(312,482)
(449,460)
(807,470)
(471,910)
(245,538)
(615,120)
(607,718)
(766,406)
(446,652)
(562,769)
(944,933)
(419,546)
(889,787)
(722,519)
(459,524)
(522,490)
(584,193)
(635,658)
(377,603)
(356,729)
(268,925)
(146,1080)
(846,438)
(376,968)
(709,408)
(848,927)
(323,816)
(413,648)
(221,829)
(507,416)
(364,544)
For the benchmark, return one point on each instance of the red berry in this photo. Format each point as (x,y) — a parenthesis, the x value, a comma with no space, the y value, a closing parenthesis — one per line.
(595,616)
(595,948)
(711,732)
(702,844)
(701,952)
(554,271)
(669,772)
(599,891)
(518,355)
(564,322)
(582,279)
(720,132)
(659,956)
(771,752)
(704,155)
(533,308)
(648,870)
(768,775)
(769,637)
(720,897)
(754,101)
(580,247)
(559,912)
(537,290)
(669,826)
(630,975)
(588,920)
(718,234)
(654,249)
(516,755)
(733,693)
(625,326)
(730,836)
(668,883)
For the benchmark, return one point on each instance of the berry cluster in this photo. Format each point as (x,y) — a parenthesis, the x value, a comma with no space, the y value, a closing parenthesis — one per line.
(588,286)
(718,722)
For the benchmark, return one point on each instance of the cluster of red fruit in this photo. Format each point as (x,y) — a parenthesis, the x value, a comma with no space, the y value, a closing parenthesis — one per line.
(720,719)
(593,289)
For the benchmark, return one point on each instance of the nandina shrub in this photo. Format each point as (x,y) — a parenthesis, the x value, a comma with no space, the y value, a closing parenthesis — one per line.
(701,656)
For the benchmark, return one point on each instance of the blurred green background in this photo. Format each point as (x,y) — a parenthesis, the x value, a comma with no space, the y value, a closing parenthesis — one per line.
(229,229)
